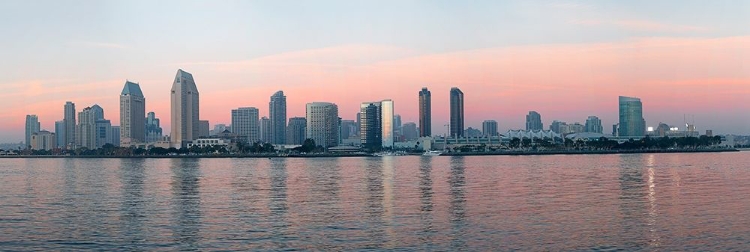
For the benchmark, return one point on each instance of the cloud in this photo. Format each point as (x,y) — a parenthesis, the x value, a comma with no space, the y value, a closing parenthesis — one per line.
(98,44)
(639,25)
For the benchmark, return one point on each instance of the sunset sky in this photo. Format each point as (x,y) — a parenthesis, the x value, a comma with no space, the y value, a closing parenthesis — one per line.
(565,59)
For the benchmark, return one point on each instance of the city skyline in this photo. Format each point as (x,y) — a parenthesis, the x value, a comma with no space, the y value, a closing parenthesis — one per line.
(586,53)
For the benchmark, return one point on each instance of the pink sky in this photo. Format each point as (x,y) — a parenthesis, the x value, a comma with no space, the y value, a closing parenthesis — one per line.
(705,77)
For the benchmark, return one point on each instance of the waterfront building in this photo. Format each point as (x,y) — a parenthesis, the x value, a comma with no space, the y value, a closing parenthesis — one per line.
(70,124)
(153,128)
(245,124)
(594,125)
(456,112)
(534,121)
(218,129)
(631,123)
(43,140)
(185,114)
(489,127)
(277,114)
(576,128)
(103,132)
(60,133)
(425,113)
(531,134)
(295,131)
(32,126)
(86,129)
(348,129)
(409,131)
(322,123)
(266,131)
(370,127)
(209,142)
(387,124)
(557,127)
(132,114)
(472,132)
(203,126)
(115,136)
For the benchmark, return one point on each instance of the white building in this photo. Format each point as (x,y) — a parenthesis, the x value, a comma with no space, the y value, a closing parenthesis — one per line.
(43,140)
(132,114)
(185,113)
(245,123)
(322,123)
(32,126)
(205,142)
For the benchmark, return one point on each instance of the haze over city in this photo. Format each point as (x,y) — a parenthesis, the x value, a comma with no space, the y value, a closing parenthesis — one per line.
(565,59)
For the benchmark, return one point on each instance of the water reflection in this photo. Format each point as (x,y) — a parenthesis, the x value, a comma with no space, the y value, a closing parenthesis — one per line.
(457,183)
(187,215)
(374,202)
(277,204)
(132,206)
(632,200)
(425,198)
(388,202)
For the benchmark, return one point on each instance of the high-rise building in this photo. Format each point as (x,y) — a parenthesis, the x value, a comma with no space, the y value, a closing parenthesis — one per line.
(632,123)
(594,124)
(43,140)
(132,114)
(322,123)
(425,113)
(153,128)
(103,132)
(86,129)
(534,121)
(457,112)
(489,128)
(218,129)
(277,114)
(115,136)
(370,125)
(60,133)
(203,126)
(266,132)
(295,131)
(97,111)
(576,128)
(185,112)
(556,127)
(32,126)
(409,131)
(472,132)
(245,124)
(348,128)
(387,125)
(70,124)
(359,123)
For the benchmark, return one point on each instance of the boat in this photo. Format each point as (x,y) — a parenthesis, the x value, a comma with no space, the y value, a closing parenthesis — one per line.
(432,153)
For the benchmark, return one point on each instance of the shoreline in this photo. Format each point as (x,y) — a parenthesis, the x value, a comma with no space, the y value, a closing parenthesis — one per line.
(330,155)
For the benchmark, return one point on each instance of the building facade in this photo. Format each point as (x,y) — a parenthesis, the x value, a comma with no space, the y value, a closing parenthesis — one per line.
(266,132)
(132,114)
(296,130)
(32,126)
(370,125)
(457,112)
(425,113)
(409,131)
(594,125)
(534,121)
(245,123)
(277,116)
(70,124)
(86,129)
(185,112)
(60,133)
(631,123)
(43,140)
(203,128)
(153,128)
(322,123)
(489,128)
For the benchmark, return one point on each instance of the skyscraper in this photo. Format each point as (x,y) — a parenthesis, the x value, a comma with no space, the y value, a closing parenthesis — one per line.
(370,132)
(132,114)
(387,126)
(32,126)
(534,121)
(295,131)
(425,113)
(114,138)
(153,128)
(594,124)
(457,112)
(103,132)
(70,124)
(86,129)
(322,123)
(277,114)
(245,123)
(185,112)
(489,128)
(409,131)
(632,123)
(265,130)
(60,133)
